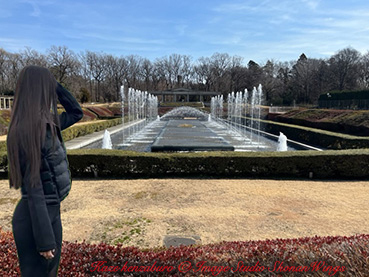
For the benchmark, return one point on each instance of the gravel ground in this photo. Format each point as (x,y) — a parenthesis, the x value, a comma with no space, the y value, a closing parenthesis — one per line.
(141,212)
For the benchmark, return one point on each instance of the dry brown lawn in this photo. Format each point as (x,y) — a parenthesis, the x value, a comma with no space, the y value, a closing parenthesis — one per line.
(142,212)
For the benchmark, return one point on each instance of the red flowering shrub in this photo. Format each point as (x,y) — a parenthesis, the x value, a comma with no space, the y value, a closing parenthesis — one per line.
(88,115)
(101,111)
(316,256)
(8,255)
(117,110)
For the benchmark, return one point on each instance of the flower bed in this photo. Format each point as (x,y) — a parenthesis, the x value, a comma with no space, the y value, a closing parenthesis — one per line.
(316,256)
(101,111)
(88,115)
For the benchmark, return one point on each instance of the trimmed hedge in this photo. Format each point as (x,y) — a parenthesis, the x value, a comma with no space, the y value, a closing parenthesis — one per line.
(351,122)
(344,164)
(315,137)
(89,128)
(345,100)
(345,95)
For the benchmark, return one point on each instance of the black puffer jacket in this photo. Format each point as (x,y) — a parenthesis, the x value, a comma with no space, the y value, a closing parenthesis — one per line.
(55,180)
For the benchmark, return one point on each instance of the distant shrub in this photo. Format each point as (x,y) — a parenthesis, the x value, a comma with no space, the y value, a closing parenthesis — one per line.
(84,95)
(345,95)
(4,121)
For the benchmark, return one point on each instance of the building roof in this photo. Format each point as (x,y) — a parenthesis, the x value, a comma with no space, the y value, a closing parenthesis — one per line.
(182,91)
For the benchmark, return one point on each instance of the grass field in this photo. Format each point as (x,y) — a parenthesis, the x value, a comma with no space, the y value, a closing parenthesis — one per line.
(141,212)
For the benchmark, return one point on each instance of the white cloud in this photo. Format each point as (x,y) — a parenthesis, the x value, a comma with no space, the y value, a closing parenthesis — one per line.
(311,4)
(14,45)
(255,29)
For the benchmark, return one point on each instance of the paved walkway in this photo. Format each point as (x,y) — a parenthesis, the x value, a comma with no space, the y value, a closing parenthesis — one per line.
(83,141)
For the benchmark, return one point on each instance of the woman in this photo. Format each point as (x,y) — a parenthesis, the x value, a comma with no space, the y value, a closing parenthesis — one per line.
(38,165)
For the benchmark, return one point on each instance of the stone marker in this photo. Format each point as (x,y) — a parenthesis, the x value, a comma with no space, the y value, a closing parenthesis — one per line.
(177,240)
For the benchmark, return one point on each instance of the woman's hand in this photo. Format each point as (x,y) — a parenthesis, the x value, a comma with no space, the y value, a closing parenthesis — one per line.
(48,254)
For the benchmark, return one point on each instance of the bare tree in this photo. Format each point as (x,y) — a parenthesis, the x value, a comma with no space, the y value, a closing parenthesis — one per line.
(187,71)
(116,72)
(14,67)
(133,73)
(163,74)
(344,69)
(32,57)
(101,75)
(174,66)
(62,62)
(203,73)
(96,67)
(3,71)
(363,81)
(285,94)
(236,74)
(303,79)
(269,81)
(147,69)
(219,66)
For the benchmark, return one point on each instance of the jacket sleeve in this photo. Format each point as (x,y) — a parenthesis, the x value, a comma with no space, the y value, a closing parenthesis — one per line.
(41,225)
(73,111)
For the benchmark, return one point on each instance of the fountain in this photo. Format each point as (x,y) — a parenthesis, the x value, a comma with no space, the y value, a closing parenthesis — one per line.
(185,113)
(142,109)
(189,129)
(239,106)
(106,142)
(282,142)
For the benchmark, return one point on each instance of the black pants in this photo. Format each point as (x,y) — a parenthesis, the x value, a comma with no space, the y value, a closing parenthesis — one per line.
(30,261)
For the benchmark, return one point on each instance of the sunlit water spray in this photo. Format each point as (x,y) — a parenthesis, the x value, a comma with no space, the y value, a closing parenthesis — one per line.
(106,142)
(243,114)
(142,109)
(238,126)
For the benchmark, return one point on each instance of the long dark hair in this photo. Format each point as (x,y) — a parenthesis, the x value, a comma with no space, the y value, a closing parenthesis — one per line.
(34,108)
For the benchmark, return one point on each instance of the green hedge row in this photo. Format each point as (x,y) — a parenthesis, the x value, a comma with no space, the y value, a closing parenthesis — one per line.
(352,130)
(316,137)
(355,123)
(345,95)
(85,129)
(344,164)
(299,164)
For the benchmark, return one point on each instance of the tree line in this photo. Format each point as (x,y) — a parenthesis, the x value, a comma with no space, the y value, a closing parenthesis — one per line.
(97,77)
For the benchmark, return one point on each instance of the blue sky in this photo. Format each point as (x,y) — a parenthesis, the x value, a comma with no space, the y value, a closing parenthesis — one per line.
(254,29)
